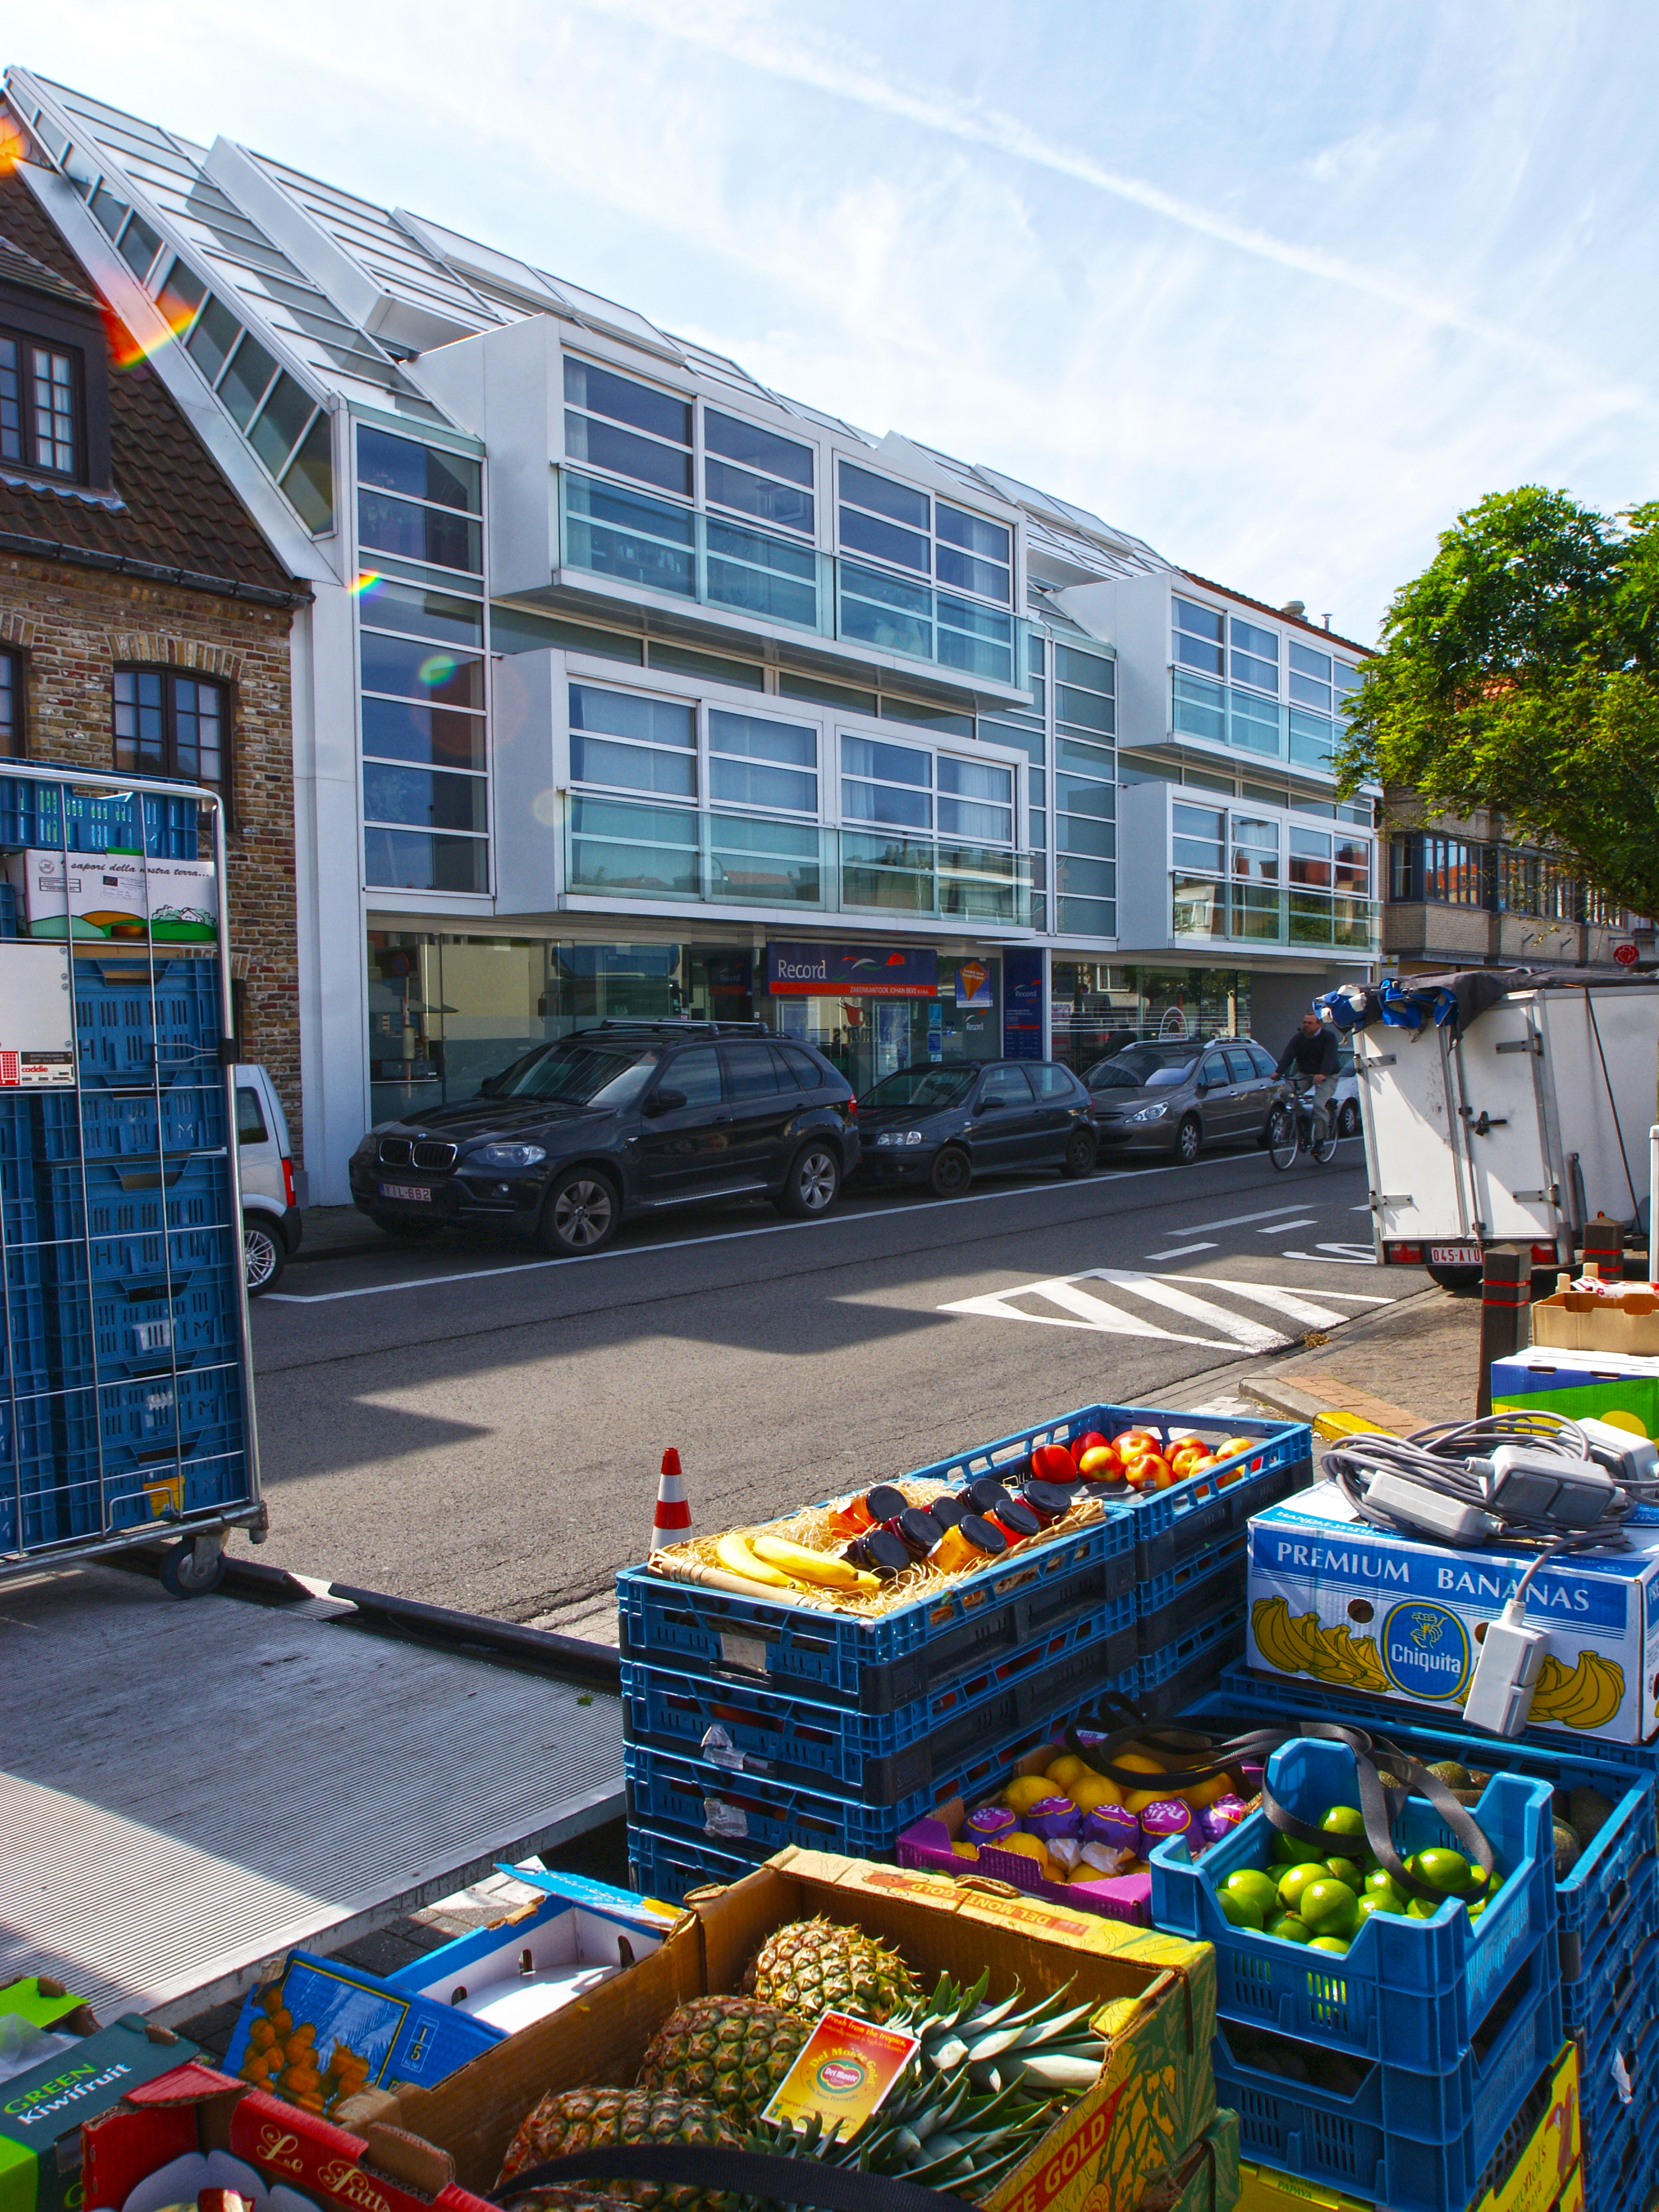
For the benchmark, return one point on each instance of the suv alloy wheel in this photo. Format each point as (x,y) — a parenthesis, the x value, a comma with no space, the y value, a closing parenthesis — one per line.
(812,1184)
(580,1215)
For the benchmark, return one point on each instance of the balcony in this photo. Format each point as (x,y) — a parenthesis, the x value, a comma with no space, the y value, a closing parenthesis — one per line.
(644,543)
(1213,910)
(1244,722)
(619,849)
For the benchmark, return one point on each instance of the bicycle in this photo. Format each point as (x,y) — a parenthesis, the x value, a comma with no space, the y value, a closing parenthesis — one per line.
(1290,1129)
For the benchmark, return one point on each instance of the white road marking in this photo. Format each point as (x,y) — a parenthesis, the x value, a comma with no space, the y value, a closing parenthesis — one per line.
(1278,1228)
(1338,1256)
(1251,1333)
(1081,1306)
(728,1236)
(1289,1302)
(1238,1220)
(1179,1251)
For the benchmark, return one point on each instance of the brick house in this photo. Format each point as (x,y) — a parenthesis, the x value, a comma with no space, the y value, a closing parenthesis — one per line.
(144,621)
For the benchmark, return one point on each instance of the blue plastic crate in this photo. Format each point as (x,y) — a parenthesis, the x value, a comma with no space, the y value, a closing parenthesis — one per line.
(1183,1598)
(182,1116)
(114,1329)
(1415,2142)
(1591,1900)
(49,1488)
(667,1866)
(1624,2022)
(49,818)
(877,1666)
(878,1757)
(1221,1635)
(190,1415)
(26,1361)
(127,1029)
(1583,1997)
(1415,1990)
(123,1207)
(1169,1525)
(8,910)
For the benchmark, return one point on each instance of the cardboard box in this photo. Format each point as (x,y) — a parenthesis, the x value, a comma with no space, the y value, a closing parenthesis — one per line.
(1545,1380)
(1534,2169)
(1155,2098)
(199,2121)
(37,1017)
(1590,1320)
(1336,1601)
(42,2111)
(1207,2178)
(118,896)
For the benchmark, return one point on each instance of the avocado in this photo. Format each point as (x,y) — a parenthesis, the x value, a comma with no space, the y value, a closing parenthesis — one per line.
(1567,1849)
(1586,1809)
(1454,1776)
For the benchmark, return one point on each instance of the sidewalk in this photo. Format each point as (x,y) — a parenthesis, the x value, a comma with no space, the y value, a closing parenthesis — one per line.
(1405,1366)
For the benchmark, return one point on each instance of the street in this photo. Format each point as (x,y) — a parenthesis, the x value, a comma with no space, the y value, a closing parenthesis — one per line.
(476,1427)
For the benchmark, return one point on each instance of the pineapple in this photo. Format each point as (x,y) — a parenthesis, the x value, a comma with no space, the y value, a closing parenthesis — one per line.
(813,1966)
(731,2051)
(571,2120)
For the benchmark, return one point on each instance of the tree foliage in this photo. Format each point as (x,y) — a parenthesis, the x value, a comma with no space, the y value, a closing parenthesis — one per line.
(1520,671)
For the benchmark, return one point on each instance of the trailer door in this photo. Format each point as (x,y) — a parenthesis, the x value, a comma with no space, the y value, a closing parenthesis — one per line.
(1515,1187)
(1415,1150)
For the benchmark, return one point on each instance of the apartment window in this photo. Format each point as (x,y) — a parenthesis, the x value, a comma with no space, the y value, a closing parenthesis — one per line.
(11,706)
(1200,837)
(1256,849)
(975,800)
(910,529)
(1085,791)
(626,429)
(1310,859)
(1197,637)
(754,472)
(624,742)
(1254,654)
(753,762)
(40,405)
(418,503)
(888,784)
(168,723)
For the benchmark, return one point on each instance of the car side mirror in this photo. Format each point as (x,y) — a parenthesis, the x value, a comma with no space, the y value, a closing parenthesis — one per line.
(664,1101)
(1201,1086)
(489,1086)
(991,1105)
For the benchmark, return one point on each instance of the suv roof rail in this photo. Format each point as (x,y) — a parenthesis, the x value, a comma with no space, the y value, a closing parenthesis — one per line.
(677,1025)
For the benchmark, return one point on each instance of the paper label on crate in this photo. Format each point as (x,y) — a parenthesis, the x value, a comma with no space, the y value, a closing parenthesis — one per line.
(749,1654)
(717,1748)
(720,1819)
(845,2069)
(119,896)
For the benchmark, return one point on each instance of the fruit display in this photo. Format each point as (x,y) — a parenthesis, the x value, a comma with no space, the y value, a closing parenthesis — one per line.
(987,2080)
(283,2057)
(861,1552)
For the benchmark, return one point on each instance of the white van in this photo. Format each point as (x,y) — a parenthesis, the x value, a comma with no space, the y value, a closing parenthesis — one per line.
(270,1219)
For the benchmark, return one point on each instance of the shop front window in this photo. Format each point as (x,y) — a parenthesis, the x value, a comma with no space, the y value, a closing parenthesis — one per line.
(1095,1010)
(871,1038)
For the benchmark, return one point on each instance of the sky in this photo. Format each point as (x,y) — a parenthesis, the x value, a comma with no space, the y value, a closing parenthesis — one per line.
(1279,288)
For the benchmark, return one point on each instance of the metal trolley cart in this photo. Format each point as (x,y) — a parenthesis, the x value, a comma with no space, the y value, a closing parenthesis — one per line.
(127,1383)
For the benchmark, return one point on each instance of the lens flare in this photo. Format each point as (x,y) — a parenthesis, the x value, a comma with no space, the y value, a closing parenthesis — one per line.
(438,669)
(126,352)
(365,580)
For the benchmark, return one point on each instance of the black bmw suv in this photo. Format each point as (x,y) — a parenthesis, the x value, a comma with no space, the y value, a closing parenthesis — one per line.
(630,1117)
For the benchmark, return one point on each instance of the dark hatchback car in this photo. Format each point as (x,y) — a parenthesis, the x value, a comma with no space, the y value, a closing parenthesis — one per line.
(944,1124)
(1178,1095)
(628,1118)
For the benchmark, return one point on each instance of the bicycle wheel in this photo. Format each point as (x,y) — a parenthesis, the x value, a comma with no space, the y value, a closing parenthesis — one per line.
(1322,1139)
(1283,1141)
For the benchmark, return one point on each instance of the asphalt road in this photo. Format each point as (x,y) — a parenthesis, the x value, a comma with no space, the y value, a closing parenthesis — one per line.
(472,1425)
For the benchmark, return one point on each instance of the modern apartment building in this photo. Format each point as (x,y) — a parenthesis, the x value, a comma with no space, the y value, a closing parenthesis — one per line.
(628,686)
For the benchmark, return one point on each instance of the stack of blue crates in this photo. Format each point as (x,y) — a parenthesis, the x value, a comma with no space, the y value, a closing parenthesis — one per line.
(1607,1906)
(751,1723)
(121,1389)
(1393,2071)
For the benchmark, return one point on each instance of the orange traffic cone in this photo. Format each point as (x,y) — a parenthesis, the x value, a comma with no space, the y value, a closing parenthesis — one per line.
(673,1518)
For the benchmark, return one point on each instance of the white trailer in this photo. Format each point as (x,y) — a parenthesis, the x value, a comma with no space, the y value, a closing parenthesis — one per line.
(1518,1129)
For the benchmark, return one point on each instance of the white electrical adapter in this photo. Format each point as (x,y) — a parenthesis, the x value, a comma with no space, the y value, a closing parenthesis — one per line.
(1432,1513)
(1506,1673)
(1627,1457)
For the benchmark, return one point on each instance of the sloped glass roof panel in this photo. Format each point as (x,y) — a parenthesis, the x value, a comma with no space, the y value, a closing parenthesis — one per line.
(381,245)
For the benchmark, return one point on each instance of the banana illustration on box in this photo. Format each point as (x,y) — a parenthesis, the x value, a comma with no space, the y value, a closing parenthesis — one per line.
(1586,1696)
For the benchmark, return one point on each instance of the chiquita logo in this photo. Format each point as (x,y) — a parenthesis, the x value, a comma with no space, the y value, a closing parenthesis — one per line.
(841,2076)
(1426,1650)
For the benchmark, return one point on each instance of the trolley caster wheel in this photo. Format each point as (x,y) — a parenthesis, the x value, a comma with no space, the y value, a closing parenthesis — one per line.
(192,1567)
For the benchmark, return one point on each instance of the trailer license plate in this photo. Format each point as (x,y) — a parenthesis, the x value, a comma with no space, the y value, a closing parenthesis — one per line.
(420,1192)
(1454,1255)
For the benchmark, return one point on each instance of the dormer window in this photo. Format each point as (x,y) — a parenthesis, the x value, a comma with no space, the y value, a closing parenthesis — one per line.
(40,405)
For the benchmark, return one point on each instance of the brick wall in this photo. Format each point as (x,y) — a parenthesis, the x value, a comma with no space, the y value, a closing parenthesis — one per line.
(75,625)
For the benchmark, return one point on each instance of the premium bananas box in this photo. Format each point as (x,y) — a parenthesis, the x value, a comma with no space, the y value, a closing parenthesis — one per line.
(1339,1601)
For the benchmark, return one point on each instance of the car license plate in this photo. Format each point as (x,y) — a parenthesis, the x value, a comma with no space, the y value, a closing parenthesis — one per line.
(1454,1255)
(421,1192)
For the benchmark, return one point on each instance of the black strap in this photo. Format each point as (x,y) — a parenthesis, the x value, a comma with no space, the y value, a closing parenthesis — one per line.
(738,2172)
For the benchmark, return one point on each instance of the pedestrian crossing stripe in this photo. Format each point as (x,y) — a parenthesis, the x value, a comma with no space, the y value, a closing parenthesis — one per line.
(1081,1307)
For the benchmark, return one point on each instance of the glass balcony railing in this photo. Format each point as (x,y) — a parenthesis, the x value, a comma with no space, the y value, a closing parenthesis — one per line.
(621,848)
(1225,715)
(630,537)
(1264,914)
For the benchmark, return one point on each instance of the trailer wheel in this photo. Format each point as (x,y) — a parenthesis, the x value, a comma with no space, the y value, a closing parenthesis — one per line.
(1460,1281)
(187,1573)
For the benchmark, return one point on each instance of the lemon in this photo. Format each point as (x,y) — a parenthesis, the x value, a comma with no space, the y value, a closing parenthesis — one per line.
(966,1850)
(1032,1847)
(1067,1770)
(1137,1800)
(1093,1791)
(1138,1762)
(1026,1791)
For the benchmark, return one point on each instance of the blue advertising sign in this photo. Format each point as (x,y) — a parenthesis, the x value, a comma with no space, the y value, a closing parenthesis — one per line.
(1022,1004)
(851,971)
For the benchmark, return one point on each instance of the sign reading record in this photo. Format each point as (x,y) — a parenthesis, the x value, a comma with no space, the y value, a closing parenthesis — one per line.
(851,971)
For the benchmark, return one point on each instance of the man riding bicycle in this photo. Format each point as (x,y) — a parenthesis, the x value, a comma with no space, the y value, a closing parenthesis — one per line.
(1312,1053)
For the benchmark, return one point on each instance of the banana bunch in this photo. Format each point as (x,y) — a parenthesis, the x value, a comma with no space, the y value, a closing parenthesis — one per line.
(774,1563)
(1296,1644)
(1586,1696)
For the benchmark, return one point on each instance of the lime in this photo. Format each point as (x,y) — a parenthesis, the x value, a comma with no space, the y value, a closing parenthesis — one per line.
(1288,1852)
(1343,1821)
(1345,1871)
(1441,1869)
(1423,1908)
(1381,1882)
(1477,1884)
(1288,1929)
(1328,1943)
(1296,1879)
(1379,1901)
(1329,1908)
(1475,1910)
(1256,1886)
(1243,1911)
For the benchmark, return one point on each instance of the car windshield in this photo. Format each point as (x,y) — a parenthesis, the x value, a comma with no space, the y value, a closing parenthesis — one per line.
(583,1075)
(1141,1068)
(922,1087)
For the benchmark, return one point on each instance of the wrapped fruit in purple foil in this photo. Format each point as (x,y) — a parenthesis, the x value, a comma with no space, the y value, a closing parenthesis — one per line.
(1114,1827)
(1053,1816)
(1170,1816)
(989,1825)
(1215,1820)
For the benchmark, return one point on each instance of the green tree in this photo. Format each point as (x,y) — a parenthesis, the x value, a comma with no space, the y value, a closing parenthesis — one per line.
(1520,671)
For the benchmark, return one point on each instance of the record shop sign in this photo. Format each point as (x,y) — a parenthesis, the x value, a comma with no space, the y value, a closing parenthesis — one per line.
(851,971)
